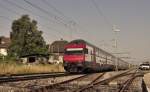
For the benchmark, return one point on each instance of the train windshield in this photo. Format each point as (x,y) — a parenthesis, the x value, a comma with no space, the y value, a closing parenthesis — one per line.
(74,51)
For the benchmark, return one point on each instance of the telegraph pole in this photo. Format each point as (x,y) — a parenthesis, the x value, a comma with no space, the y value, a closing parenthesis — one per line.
(116,30)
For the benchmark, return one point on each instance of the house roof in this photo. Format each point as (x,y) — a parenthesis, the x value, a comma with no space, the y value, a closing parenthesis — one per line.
(4,42)
(35,55)
(4,45)
(57,46)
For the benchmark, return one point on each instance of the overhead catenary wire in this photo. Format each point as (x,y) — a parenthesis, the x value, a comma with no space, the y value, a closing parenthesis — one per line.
(40,16)
(4,17)
(102,14)
(58,19)
(65,18)
(36,14)
(73,24)
(25,9)
(10,10)
(71,21)
(56,10)
(68,23)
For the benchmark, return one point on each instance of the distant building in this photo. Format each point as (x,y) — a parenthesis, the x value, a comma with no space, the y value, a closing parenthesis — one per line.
(56,50)
(4,44)
(35,59)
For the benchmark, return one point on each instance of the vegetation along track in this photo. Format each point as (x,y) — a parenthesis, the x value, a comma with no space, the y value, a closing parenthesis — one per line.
(22,77)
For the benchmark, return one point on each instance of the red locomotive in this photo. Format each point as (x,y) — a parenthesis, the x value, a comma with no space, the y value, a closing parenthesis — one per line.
(81,56)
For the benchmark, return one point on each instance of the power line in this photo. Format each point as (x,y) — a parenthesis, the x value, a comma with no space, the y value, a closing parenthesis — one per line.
(54,8)
(32,12)
(69,24)
(59,20)
(25,9)
(10,10)
(20,7)
(59,12)
(101,13)
(70,21)
(4,17)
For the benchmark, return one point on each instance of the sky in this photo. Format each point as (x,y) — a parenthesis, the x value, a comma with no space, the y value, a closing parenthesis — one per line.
(91,20)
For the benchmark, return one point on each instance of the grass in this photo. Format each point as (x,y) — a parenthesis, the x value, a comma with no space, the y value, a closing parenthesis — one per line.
(26,69)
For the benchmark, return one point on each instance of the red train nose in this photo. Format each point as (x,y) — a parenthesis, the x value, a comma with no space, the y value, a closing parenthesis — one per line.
(73,58)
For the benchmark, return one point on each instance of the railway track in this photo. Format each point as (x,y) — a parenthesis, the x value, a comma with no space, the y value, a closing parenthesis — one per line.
(129,81)
(124,87)
(24,77)
(76,85)
(94,82)
(73,82)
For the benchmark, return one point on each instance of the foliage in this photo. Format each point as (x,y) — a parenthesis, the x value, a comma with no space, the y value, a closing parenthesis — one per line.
(26,39)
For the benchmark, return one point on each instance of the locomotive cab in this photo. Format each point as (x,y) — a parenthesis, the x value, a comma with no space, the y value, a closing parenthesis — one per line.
(74,59)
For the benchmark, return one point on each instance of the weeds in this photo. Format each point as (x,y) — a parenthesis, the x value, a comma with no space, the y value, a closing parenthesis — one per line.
(12,68)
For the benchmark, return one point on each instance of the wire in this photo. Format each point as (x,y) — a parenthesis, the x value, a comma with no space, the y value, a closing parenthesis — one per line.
(4,17)
(70,21)
(46,12)
(101,13)
(54,8)
(58,11)
(69,24)
(10,10)
(20,7)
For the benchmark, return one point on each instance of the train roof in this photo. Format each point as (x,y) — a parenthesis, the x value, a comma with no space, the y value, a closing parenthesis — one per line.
(83,41)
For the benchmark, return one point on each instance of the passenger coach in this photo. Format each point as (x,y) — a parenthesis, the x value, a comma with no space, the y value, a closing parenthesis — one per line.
(81,56)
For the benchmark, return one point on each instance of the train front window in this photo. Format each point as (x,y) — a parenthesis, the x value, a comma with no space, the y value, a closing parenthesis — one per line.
(72,51)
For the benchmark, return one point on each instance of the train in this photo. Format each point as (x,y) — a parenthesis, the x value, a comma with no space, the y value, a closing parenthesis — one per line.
(81,56)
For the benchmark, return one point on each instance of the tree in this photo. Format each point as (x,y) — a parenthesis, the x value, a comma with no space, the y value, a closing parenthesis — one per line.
(26,39)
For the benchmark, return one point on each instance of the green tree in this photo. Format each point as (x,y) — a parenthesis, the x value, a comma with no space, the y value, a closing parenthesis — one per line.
(26,39)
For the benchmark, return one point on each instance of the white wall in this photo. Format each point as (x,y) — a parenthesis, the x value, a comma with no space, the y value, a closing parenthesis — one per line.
(3,51)
(59,60)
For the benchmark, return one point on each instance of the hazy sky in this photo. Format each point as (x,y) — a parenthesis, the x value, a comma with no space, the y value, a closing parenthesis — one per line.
(91,20)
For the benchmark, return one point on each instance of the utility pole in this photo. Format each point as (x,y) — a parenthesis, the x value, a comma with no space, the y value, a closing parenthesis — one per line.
(116,30)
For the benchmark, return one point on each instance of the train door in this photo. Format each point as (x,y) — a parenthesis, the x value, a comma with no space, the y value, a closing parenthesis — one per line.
(88,56)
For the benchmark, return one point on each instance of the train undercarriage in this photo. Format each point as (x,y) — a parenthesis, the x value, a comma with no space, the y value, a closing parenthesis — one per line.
(86,67)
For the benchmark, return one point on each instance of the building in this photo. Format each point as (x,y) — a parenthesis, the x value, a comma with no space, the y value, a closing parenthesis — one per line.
(56,50)
(4,44)
(35,59)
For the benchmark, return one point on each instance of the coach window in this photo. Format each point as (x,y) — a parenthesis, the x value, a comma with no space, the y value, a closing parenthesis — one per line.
(86,51)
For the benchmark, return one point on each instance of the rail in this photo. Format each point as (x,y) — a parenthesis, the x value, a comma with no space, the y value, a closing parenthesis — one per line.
(31,77)
(129,81)
(105,81)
